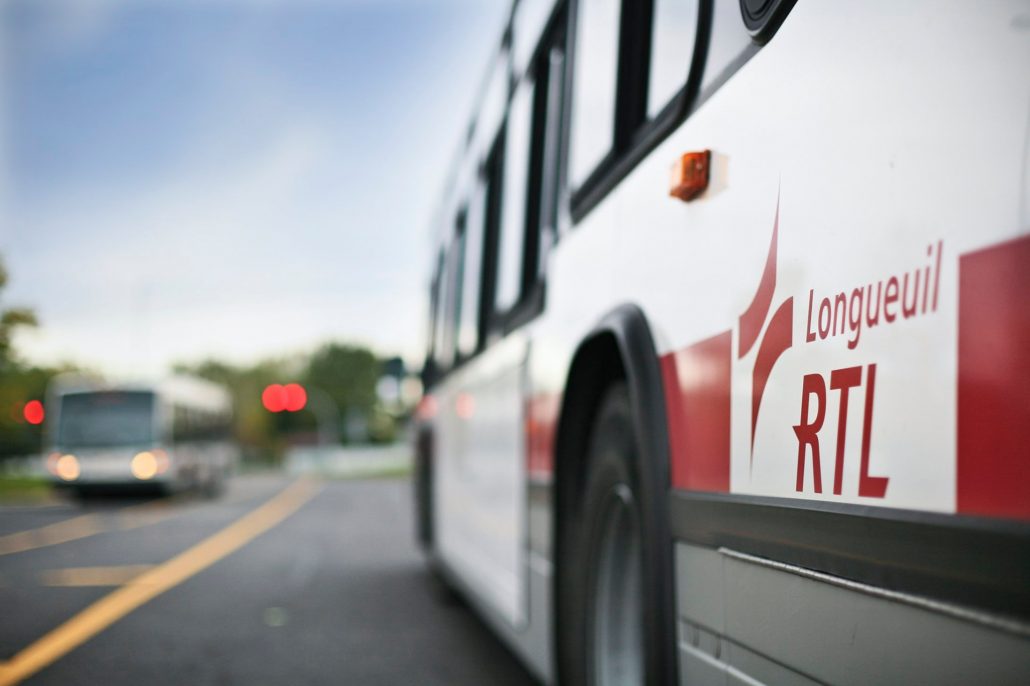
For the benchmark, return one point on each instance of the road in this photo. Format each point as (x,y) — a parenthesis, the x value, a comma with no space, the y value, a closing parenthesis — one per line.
(280,581)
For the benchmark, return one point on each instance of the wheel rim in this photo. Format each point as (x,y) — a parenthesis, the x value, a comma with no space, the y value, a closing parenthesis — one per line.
(618,624)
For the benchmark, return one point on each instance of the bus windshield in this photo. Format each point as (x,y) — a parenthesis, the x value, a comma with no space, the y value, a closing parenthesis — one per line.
(106,418)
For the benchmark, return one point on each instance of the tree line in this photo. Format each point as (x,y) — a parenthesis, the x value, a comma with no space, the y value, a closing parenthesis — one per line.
(346,374)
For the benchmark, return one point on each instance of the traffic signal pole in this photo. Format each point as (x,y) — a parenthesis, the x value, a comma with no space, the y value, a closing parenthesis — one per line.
(327,416)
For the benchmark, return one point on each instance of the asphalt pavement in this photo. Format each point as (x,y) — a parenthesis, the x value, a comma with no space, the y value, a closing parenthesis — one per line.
(282,580)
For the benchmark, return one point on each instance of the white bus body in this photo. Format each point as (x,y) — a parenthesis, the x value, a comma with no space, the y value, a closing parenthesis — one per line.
(172,435)
(826,351)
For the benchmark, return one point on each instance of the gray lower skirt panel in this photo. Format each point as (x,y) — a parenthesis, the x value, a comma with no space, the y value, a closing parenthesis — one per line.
(746,620)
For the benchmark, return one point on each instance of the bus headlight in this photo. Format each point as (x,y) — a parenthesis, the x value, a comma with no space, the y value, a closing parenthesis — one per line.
(67,468)
(144,465)
(149,463)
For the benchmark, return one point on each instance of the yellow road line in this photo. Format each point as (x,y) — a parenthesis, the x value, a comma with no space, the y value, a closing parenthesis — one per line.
(149,585)
(84,526)
(52,534)
(92,576)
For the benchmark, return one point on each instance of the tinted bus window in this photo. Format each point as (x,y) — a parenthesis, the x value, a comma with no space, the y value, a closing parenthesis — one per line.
(106,419)
(729,39)
(445,327)
(439,311)
(472,271)
(593,99)
(516,177)
(434,320)
(674,30)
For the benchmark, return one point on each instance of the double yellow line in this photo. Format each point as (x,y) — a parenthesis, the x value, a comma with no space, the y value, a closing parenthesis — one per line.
(112,607)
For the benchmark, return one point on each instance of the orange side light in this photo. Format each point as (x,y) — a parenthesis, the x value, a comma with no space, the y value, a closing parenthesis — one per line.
(690,175)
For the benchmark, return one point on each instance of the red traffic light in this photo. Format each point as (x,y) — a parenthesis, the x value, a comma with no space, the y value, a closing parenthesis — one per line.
(292,397)
(33,412)
(274,398)
(296,397)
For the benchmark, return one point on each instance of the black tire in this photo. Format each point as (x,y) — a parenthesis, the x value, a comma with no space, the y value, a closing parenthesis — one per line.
(213,486)
(422,484)
(605,532)
(442,588)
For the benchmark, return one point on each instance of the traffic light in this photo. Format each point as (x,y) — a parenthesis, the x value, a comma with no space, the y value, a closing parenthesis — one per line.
(289,398)
(274,398)
(33,412)
(296,397)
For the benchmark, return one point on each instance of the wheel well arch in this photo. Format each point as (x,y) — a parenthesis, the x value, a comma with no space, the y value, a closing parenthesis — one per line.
(596,365)
(620,348)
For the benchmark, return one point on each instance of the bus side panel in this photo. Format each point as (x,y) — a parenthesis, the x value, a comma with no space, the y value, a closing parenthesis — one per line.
(735,612)
(860,163)
(830,242)
(480,478)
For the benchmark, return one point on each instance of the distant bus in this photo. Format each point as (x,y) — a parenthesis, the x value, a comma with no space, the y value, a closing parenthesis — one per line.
(728,365)
(169,436)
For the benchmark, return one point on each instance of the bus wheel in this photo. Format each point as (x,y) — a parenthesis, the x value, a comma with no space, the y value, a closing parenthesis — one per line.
(214,485)
(605,627)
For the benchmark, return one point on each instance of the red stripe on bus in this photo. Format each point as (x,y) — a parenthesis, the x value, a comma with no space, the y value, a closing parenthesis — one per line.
(993,472)
(697,400)
(754,317)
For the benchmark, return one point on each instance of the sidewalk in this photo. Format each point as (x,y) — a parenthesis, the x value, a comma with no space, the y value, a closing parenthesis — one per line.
(350,461)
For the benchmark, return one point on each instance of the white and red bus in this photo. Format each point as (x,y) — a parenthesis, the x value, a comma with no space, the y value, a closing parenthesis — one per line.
(728,373)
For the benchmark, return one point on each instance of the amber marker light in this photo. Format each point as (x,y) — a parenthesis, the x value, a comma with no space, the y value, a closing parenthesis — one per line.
(67,468)
(690,175)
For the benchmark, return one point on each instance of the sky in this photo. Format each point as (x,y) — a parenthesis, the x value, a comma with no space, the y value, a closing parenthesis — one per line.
(231,179)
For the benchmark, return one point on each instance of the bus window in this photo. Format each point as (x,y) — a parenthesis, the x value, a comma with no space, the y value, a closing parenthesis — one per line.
(547,127)
(430,368)
(181,424)
(728,40)
(516,184)
(106,419)
(445,348)
(472,271)
(440,313)
(530,179)
(673,33)
(594,82)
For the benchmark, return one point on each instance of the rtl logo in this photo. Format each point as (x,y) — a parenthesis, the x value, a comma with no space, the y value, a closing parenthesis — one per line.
(813,391)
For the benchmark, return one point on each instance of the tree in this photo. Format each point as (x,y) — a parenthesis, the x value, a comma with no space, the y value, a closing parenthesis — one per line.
(10,320)
(19,383)
(259,433)
(348,374)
